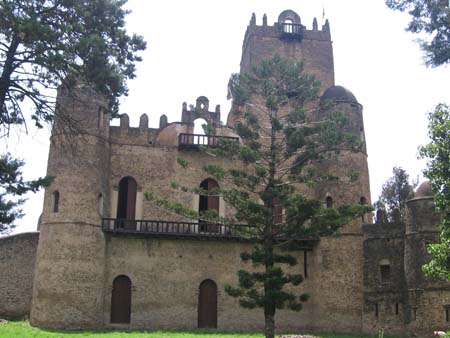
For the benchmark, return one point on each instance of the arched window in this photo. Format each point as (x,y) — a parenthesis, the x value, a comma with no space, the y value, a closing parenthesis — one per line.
(329,202)
(201,130)
(363,201)
(288,26)
(121,300)
(207,202)
(100,118)
(126,208)
(100,204)
(55,201)
(207,304)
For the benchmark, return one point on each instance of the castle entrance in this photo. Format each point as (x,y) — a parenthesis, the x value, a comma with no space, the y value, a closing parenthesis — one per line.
(121,300)
(207,304)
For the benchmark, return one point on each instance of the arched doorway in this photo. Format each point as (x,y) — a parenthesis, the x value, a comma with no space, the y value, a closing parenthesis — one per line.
(121,300)
(126,207)
(208,203)
(207,304)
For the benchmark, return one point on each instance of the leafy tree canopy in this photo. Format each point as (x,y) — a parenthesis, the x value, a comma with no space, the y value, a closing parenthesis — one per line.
(42,42)
(281,143)
(437,152)
(394,194)
(433,18)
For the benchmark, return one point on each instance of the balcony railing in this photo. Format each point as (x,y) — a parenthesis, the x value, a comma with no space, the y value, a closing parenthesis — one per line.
(178,229)
(189,230)
(291,31)
(196,140)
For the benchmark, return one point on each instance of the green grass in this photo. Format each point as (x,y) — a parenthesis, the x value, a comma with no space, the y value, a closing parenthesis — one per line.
(25,330)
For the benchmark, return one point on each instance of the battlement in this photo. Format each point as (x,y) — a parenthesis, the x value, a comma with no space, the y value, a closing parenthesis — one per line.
(288,27)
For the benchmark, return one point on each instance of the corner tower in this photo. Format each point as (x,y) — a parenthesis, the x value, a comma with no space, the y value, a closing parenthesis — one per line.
(69,275)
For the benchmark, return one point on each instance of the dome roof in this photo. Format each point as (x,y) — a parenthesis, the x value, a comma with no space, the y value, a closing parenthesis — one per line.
(339,93)
(424,190)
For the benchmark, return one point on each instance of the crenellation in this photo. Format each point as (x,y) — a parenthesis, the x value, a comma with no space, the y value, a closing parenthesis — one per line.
(102,230)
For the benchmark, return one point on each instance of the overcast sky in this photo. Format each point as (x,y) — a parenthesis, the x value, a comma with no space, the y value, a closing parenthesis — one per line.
(194,46)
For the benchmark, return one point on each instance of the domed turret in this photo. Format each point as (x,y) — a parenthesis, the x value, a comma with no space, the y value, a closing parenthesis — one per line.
(339,93)
(424,190)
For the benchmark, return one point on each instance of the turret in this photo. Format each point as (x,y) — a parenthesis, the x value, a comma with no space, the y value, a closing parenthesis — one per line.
(422,228)
(70,258)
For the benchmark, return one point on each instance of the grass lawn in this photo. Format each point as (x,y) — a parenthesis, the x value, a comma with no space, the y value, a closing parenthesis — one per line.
(24,330)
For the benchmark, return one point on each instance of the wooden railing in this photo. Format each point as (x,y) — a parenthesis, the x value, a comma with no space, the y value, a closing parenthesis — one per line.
(186,230)
(195,140)
(172,228)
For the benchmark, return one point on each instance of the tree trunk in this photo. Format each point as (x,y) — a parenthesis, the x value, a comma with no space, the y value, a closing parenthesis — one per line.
(269,325)
(8,68)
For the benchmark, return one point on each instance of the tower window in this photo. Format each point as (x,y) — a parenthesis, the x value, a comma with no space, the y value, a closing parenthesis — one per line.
(447,313)
(208,202)
(329,202)
(55,201)
(288,26)
(100,204)
(385,271)
(397,310)
(376,310)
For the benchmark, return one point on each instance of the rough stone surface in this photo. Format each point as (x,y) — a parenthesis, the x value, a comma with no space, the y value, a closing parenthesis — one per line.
(364,279)
(17,263)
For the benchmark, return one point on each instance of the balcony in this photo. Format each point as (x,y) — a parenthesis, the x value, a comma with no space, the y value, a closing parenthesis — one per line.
(159,228)
(188,230)
(194,141)
(291,31)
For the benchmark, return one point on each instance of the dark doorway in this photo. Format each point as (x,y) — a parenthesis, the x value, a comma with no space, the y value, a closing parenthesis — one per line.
(121,300)
(207,304)
(208,203)
(126,208)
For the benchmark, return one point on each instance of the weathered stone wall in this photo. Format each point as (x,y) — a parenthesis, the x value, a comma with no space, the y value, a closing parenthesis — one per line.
(166,275)
(17,262)
(385,302)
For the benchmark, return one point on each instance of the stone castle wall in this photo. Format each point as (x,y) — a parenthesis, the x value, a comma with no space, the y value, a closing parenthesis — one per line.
(17,263)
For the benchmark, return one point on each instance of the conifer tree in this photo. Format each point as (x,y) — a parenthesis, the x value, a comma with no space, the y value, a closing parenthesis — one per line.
(280,144)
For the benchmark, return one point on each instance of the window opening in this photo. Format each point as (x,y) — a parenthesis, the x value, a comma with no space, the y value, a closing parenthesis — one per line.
(200,127)
(305,263)
(397,308)
(126,209)
(329,202)
(100,204)
(55,201)
(208,202)
(385,272)
(288,26)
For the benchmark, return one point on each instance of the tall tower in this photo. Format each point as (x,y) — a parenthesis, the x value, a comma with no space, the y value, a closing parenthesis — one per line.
(336,263)
(68,285)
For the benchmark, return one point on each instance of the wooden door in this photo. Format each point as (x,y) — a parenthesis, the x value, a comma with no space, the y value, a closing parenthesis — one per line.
(121,300)
(207,304)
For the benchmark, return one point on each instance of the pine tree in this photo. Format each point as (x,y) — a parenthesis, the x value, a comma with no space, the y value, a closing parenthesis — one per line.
(280,144)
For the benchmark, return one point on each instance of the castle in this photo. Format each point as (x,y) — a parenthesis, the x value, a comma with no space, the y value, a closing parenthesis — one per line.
(107,257)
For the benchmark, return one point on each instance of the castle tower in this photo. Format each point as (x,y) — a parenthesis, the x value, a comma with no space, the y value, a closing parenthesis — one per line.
(340,255)
(68,282)
(289,38)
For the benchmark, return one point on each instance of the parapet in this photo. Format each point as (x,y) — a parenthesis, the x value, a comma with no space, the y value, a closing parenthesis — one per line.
(288,26)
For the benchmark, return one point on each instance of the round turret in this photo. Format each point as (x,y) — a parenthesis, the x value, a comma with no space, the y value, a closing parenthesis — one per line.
(424,191)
